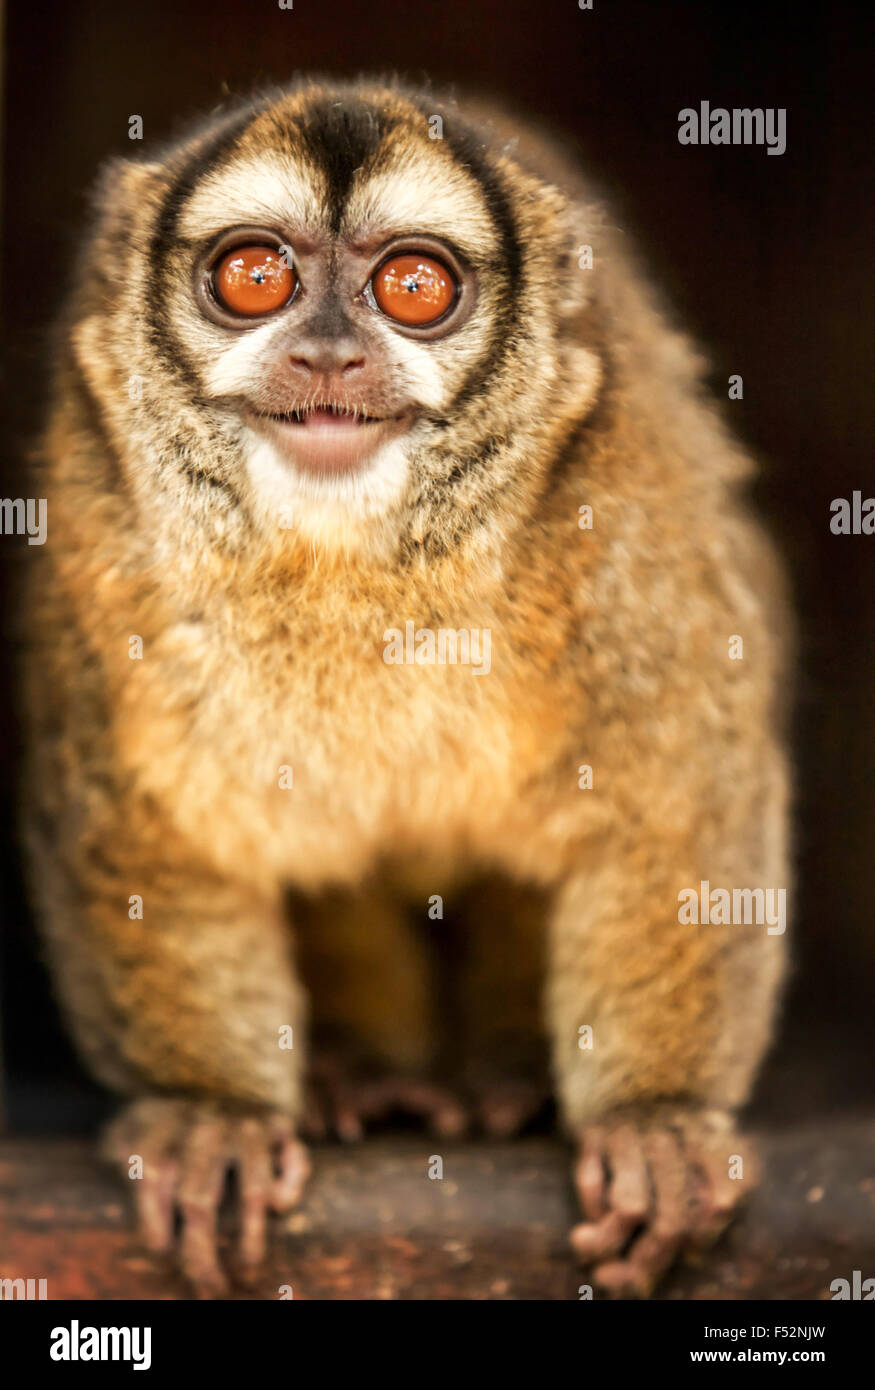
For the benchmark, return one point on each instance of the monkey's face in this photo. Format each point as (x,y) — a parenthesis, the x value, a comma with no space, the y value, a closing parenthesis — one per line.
(368,309)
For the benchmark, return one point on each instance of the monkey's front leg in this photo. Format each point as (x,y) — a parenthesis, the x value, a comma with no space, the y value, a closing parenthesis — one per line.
(187,1002)
(657,1028)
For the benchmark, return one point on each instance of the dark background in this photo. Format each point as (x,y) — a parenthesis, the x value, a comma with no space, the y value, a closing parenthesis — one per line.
(766,257)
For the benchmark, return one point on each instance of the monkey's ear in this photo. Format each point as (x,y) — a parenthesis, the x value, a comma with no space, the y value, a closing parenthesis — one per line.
(122,200)
(124,189)
(125,182)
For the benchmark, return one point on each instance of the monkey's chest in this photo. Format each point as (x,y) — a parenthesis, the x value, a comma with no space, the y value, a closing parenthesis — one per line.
(317,769)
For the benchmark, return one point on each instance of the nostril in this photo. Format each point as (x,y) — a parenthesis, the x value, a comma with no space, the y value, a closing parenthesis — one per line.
(327,363)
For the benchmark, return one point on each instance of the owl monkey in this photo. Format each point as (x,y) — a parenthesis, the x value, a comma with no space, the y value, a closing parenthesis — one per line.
(344,362)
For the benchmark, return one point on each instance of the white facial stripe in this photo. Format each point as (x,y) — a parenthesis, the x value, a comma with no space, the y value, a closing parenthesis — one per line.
(423,195)
(418,368)
(274,190)
(235,370)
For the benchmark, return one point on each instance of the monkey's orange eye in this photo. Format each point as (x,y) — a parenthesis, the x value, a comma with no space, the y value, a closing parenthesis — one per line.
(414,289)
(252,280)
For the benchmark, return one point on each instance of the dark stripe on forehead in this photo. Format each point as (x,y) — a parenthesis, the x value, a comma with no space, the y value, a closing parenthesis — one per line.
(341,136)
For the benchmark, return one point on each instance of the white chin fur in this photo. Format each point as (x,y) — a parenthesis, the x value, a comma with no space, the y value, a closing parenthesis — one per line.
(336,511)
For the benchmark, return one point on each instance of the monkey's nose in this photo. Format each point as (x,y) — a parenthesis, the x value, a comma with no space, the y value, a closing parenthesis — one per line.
(327,359)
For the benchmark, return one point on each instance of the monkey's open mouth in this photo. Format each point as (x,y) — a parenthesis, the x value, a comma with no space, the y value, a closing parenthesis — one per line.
(327,415)
(329,438)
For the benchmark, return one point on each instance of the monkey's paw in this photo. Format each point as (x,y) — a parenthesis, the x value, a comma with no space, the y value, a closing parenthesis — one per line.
(343,1100)
(654,1189)
(186,1151)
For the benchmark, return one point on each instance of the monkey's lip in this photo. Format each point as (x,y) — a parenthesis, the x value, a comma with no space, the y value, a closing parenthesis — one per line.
(329,439)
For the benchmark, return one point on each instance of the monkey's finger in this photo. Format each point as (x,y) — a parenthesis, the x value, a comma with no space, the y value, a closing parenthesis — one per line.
(152,1130)
(589,1174)
(719,1194)
(508,1108)
(445,1114)
(415,1097)
(630,1190)
(658,1245)
(449,1121)
(155,1207)
(594,1240)
(256,1185)
(293,1170)
(343,1109)
(204,1166)
(629,1198)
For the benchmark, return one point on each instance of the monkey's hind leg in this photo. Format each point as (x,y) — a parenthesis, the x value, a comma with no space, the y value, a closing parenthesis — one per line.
(375,1027)
(502,949)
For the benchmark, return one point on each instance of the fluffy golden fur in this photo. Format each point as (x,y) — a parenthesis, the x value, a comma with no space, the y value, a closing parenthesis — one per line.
(262,649)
